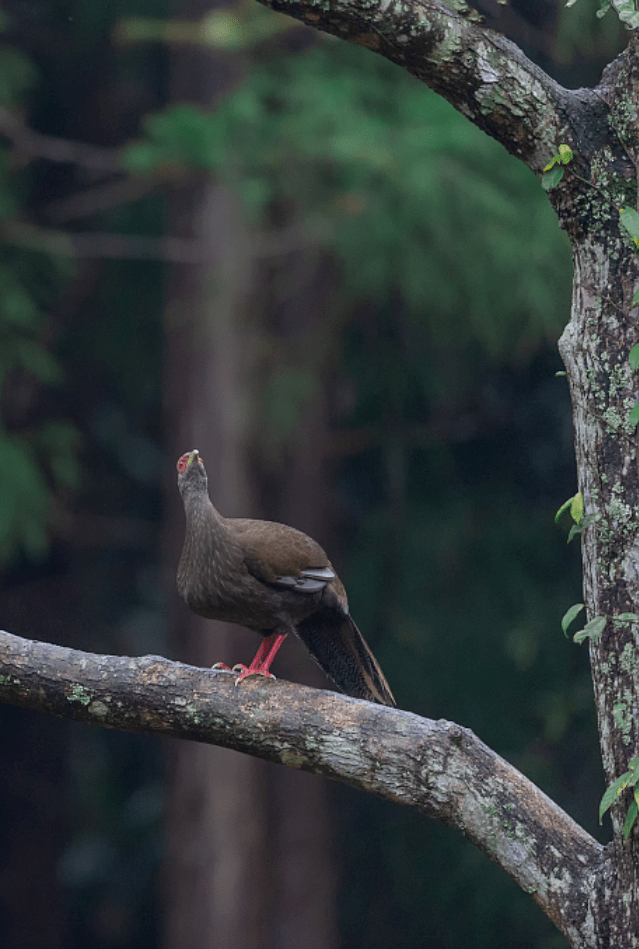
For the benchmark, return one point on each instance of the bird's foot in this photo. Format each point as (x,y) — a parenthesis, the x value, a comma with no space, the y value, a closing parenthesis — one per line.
(247,671)
(263,658)
(220,665)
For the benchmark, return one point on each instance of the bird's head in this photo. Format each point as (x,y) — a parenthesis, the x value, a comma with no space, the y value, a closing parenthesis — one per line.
(191,472)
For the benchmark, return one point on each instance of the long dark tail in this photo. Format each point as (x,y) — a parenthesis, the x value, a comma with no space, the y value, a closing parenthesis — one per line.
(337,645)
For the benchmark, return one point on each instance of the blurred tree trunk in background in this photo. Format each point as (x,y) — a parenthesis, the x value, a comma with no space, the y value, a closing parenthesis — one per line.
(294,491)
(215,872)
(248,859)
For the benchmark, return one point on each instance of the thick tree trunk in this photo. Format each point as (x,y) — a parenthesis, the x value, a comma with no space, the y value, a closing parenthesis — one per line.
(595,347)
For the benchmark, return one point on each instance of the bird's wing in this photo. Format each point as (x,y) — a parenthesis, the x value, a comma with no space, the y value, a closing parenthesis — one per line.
(309,581)
(282,556)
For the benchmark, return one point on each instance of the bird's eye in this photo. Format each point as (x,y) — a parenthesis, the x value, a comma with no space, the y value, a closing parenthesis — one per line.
(183,463)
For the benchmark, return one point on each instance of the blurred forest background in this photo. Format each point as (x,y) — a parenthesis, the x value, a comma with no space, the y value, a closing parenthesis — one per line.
(220,229)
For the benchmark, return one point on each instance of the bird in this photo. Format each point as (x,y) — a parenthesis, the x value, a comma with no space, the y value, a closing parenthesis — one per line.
(272,579)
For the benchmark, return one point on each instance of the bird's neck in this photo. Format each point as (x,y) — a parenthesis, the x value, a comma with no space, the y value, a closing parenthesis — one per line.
(200,513)
(206,528)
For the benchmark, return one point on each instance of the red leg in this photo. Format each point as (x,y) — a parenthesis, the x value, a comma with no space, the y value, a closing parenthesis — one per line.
(264,657)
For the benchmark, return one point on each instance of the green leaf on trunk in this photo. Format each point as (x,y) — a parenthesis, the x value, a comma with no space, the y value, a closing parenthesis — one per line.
(633,415)
(591,630)
(552,178)
(577,507)
(612,793)
(565,154)
(603,9)
(630,222)
(569,616)
(633,355)
(626,11)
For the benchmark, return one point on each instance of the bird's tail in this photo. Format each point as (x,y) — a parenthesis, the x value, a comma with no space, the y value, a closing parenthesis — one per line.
(339,648)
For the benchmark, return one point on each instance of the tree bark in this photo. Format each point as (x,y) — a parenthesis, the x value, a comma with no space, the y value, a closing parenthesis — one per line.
(441,769)
(595,347)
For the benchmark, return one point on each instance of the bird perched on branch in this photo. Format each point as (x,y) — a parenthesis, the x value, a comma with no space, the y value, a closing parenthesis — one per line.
(274,580)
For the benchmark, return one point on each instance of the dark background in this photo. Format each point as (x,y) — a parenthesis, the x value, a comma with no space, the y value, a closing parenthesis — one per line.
(355,319)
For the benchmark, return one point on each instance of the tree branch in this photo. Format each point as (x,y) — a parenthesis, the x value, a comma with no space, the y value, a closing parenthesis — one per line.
(56,149)
(483,74)
(441,769)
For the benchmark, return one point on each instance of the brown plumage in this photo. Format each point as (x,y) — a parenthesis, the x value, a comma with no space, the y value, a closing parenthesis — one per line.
(274,580)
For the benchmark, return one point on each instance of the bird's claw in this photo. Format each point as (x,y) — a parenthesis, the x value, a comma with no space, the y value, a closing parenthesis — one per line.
(251,672)
(243,670)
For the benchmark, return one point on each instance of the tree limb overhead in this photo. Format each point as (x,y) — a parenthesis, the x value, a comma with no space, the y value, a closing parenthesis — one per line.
(439,768)
(479,71)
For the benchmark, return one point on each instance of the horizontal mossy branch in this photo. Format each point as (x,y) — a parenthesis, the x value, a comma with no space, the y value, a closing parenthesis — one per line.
(441,769)
(483,74)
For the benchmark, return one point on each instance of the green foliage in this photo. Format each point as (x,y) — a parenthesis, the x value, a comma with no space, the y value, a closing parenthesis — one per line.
(576,505)
(554,172)
(626,10)
(403,189)
(633,359)
(39,457)
(630,779)
(36,460)
(596,626)
(592,630)
(629,220)
(581,522)
(25,489)
(552,178)
(181,135)
(570,615)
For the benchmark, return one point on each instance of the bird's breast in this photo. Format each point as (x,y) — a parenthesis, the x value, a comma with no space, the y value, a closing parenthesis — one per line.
(215,582)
